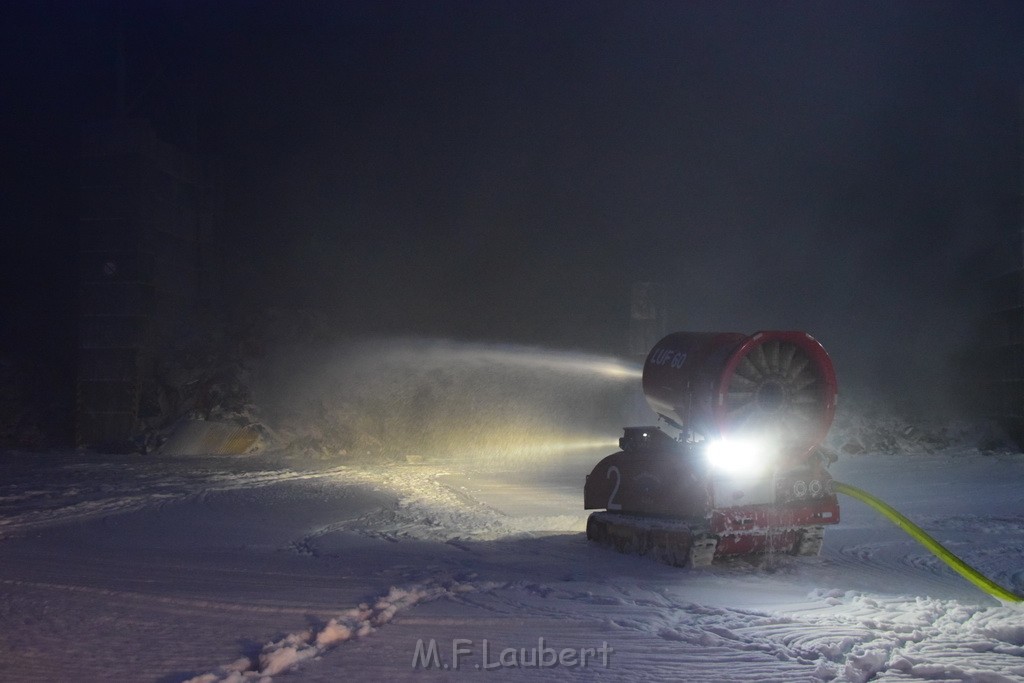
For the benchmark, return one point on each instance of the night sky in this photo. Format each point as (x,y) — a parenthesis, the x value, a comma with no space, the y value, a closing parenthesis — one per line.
(503,171)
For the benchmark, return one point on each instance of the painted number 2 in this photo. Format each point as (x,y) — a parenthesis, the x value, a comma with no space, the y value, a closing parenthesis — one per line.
(614,469)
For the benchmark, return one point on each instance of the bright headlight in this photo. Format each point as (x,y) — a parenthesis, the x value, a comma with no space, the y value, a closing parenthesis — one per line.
(736,457)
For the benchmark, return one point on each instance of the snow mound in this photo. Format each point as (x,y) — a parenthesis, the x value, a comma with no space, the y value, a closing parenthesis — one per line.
(921,637)
(872,427)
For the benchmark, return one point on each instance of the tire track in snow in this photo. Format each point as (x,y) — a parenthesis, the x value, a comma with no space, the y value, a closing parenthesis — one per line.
(80,502)
(901,565)
(287,653)
(848,636)
(926,637)
(702,642)
(191,605)
(898,566)
(426,510)
(83,509)
(853,636)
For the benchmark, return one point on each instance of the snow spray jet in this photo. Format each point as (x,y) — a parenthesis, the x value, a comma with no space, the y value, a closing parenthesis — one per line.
(538,359)
(508,405)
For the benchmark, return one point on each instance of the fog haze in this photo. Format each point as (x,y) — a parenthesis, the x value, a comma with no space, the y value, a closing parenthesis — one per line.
(503,172)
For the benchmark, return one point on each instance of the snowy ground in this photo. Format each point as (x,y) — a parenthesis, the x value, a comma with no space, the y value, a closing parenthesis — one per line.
(175,568)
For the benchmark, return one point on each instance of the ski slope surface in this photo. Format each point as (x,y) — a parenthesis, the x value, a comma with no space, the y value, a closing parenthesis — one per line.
(159,568)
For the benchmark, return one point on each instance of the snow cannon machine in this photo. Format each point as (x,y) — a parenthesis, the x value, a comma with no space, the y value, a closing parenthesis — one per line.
(738,469)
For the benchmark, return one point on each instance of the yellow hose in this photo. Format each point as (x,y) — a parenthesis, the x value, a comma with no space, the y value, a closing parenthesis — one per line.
(940,551)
